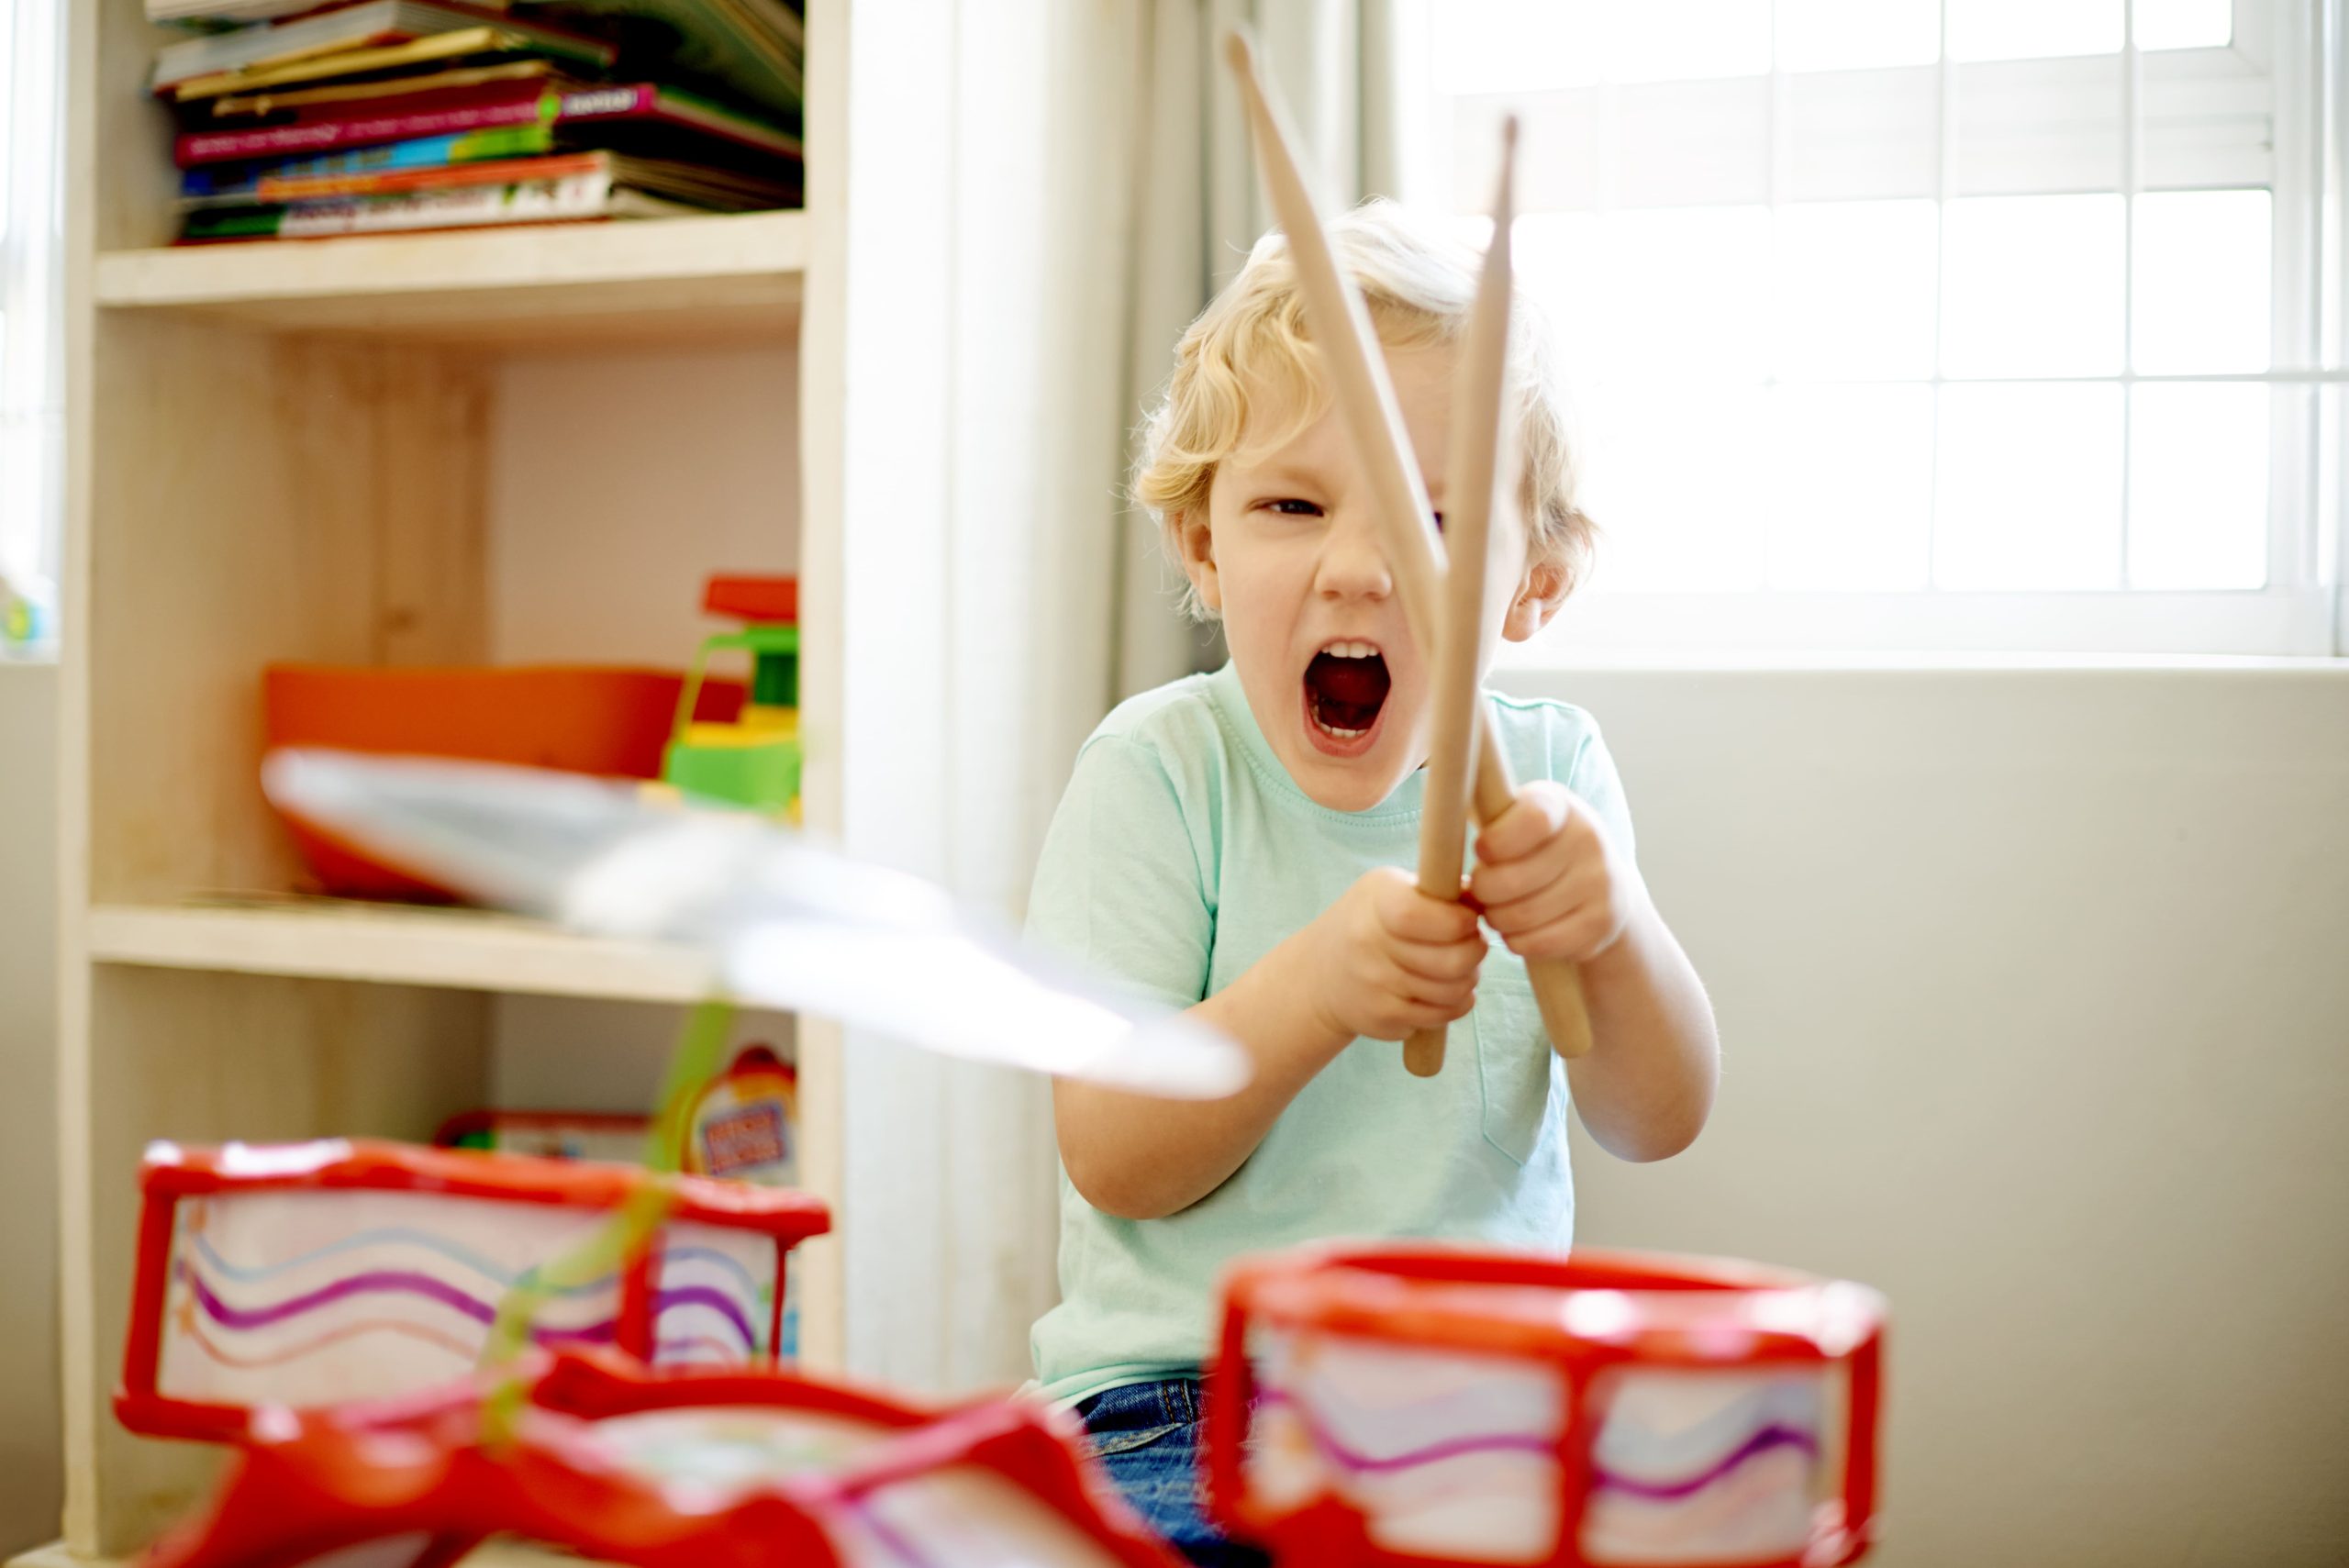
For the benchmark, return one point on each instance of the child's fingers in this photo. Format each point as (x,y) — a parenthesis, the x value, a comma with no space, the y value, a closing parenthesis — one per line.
(1506,881)
(1578,936)
(1544,902)
(1536,814)
(1411,915)
(1443,963)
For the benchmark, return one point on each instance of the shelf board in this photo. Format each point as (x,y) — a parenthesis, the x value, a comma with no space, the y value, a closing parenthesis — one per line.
(392,944)
(737,275)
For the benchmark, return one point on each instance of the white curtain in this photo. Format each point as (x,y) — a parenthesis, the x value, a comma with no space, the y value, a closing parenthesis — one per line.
(31,345)
(1349,71)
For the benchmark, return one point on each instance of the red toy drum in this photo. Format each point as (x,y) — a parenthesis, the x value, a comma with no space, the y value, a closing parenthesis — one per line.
(1435,1405)
(678,1469)
(306,1274)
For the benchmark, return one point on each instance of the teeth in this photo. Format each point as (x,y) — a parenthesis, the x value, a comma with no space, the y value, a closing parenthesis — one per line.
(1351,650)
(1333,730)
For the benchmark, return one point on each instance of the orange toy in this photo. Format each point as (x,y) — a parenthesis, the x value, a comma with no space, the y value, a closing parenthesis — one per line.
(575,719)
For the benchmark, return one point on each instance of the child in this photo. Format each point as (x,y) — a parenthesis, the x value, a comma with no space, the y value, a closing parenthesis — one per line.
(1234,844)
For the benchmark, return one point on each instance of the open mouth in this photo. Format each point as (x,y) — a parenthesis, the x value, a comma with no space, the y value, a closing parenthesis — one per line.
(1345,691)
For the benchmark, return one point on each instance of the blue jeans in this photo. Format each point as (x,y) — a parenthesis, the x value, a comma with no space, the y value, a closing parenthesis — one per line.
(1147,1439)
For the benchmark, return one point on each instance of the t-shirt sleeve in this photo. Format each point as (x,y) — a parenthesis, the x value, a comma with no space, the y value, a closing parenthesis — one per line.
(1117,888)
(1594,778)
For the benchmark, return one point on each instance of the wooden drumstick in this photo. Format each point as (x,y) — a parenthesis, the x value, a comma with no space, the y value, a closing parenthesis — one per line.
(1473,467)
(1367,403)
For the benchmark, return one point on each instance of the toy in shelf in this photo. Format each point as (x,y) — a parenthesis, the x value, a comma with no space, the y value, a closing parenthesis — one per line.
(753,760)
(306,1274)
(580,719)
(1438,1405)
(668,1470)
(548,1135)
(746,1124)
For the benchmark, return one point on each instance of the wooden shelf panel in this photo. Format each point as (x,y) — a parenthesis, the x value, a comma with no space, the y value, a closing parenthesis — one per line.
(458,949)
(737,276)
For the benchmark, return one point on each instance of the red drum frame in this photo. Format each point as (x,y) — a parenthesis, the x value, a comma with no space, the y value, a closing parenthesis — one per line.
(1698,1314)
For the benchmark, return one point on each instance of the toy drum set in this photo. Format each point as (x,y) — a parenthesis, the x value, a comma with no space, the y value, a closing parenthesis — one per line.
(1441,1406)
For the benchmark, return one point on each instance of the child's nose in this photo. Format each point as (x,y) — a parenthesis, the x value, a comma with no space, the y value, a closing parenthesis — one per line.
(1352,564)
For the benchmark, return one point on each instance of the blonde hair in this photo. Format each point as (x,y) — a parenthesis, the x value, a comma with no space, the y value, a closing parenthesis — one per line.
(1249,357)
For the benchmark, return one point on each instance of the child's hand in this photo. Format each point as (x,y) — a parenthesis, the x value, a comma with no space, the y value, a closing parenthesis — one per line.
(1388,959)
(1547,879)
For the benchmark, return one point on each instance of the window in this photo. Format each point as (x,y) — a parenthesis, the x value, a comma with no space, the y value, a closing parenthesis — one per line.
(1934,323)
(31,416)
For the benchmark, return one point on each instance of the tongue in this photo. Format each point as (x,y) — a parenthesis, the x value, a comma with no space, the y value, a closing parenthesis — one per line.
(1357,683)
(1347,693)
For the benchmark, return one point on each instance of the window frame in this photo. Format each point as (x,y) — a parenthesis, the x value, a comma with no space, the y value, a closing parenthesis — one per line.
(31,306)
(2196,102)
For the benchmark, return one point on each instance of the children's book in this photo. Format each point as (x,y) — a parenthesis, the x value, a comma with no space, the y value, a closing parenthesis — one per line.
(614,187)
(346,173)
(467,45)
(224,14)
(751,49)
(712,188)
(642,118)
(361,29)
(426,84)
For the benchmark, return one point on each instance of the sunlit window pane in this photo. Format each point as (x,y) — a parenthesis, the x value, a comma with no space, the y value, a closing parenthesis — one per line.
(1513,46)
(2032,287)
(1675,482)
(1687,294)
(2030,488)
(1855,289)
(2033,29)
(2202,282)
(1679,41)
(1858,35)
(1850,486)
(1561,263)
(2197,487)
(2184,24)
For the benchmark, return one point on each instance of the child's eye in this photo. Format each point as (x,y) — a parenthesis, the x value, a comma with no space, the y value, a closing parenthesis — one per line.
(1290,506)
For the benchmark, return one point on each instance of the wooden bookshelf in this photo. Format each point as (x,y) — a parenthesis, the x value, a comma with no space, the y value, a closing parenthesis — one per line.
(736,277)
(308,452)
(463,950)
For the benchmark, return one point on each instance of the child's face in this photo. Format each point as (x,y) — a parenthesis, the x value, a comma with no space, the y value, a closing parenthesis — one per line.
(1290,554)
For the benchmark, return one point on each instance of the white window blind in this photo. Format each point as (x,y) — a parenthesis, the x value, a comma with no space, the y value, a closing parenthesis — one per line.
(2008,324)
(31,351)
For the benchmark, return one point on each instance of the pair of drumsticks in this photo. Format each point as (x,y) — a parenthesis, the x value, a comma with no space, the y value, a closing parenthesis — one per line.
(1447,610)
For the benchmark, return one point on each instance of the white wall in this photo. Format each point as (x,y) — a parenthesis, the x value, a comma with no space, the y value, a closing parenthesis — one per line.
(2034,996)
(30,1471)
(598,556)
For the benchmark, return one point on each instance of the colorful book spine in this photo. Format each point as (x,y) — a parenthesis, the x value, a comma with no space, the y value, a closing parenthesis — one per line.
(529,102)
(530,201)
(297,180)
(400,182)
(640,102)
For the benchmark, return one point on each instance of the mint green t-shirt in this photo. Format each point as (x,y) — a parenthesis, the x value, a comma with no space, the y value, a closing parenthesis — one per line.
(1181,854)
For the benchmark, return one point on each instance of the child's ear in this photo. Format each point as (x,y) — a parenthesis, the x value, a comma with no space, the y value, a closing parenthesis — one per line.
(1191,532)
(1540,592)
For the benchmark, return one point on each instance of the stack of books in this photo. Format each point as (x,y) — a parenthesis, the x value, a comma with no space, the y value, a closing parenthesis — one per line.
(372,117)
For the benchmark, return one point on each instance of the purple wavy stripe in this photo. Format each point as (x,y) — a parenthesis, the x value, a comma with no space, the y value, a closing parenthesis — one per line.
(715,1300)
(1763,1442)
(887,1534)
(1774,1436)
(449,1295)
